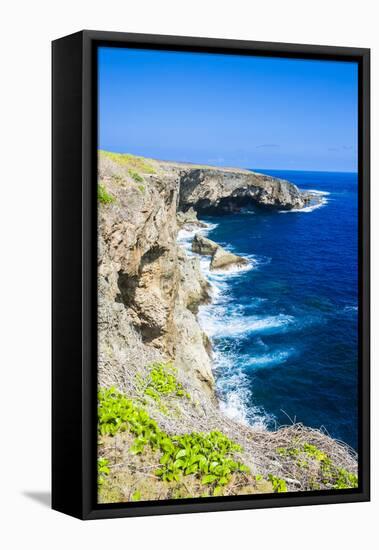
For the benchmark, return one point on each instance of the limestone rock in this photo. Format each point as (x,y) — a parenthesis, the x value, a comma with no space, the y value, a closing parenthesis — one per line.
(189,218)
(222,259)
(194,289)
(204,246)
(149,290)
(228,190)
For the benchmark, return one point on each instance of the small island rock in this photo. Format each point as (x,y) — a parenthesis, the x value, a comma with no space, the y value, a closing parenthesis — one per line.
(222,259)
(202,245)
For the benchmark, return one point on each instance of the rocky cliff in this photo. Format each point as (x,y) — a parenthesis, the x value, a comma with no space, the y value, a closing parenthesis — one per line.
(148,288)
(149,291)
(226,190)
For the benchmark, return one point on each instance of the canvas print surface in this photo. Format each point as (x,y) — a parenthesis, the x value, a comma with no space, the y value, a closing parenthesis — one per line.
(227,275)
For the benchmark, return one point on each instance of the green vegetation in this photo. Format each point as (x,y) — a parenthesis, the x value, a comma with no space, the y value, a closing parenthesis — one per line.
(345,480)
(162,380)
(210,456)
(131,162)
(329,473)
(135,175)
(314,452)
(103,196)
(210,460)
(117,413)
(102,470)
(279,485)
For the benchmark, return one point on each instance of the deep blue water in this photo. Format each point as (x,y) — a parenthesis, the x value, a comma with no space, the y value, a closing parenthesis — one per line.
(285,331)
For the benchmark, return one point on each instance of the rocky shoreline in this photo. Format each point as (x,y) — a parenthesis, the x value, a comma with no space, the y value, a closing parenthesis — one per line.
(149,292)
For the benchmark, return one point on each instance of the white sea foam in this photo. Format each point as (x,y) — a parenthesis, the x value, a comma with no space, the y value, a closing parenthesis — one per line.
(267,360)
(222,324)
(316,192)
(186,235)
(322,202)
(234,390)
(350,309)
(216,319)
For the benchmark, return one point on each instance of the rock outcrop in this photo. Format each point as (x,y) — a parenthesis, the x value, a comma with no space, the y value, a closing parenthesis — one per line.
(189,219)
(148,289)
(222,259)
(219,190)
(204,246)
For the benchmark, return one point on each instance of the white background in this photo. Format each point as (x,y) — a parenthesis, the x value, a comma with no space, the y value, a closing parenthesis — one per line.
(27,29)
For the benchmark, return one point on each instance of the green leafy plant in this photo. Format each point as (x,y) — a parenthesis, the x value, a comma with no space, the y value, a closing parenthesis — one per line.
(162,380)
(279,485)
(345,480)
(330,474)
(103,196)
(117,413)
(314,452)
(102,470)
(210,457)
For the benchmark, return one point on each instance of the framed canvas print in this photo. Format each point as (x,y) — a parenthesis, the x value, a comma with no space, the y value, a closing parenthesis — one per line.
(210,274)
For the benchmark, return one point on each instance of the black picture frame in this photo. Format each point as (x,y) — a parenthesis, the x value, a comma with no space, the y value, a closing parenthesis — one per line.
(74,332)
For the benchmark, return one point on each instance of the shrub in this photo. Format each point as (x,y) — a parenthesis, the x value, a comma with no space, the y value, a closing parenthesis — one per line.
(329,473)
(103,196)
(135,175)
(162,380)
(279,485)
(345,480)
(209,456)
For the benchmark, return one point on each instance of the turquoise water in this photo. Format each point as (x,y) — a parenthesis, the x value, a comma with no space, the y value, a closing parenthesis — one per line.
(284,331)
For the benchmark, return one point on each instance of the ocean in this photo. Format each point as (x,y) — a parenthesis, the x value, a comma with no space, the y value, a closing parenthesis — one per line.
(285,329)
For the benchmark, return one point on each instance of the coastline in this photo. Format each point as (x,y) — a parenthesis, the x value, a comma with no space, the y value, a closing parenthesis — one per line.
(151,296)
(235,407)
(237,401)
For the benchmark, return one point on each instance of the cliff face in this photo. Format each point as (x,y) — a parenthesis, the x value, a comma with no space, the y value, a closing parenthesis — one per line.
(227,190)
(149,291)
(148,288)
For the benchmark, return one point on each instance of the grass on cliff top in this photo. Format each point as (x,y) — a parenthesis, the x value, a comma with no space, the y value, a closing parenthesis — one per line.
(134,163)
(145,165)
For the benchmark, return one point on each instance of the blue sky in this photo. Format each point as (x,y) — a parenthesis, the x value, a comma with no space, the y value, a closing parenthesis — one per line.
(253,112)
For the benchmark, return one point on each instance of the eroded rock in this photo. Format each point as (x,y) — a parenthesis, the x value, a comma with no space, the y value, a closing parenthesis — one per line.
(222,259)
(189,219)
(204,246)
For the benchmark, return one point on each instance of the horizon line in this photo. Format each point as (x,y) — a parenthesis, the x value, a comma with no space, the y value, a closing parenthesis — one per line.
(230,166)
(298,170)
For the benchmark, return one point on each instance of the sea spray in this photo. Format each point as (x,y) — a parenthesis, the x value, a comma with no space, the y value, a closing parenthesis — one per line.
(232,384)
